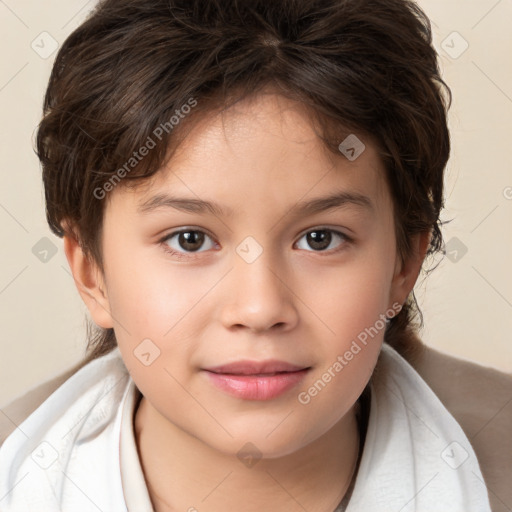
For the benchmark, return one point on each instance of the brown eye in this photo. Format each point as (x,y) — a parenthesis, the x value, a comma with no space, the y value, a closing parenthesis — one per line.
(321,239)
(189,240)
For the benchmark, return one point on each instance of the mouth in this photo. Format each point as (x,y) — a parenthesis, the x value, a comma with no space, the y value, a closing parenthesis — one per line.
(250,380)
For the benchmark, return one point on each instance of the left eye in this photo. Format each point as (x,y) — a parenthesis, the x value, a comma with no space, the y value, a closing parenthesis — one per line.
(321,239)
(189,240)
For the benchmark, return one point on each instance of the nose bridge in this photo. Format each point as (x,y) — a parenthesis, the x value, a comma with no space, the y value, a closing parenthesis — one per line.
(259,297)
(257,271)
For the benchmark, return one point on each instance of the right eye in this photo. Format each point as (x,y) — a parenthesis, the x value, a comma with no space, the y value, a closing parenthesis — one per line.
(186,241)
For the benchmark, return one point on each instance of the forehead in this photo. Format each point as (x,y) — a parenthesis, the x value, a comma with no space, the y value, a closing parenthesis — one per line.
(264,147)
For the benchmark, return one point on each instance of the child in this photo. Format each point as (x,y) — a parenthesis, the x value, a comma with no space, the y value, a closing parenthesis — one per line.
(247,191)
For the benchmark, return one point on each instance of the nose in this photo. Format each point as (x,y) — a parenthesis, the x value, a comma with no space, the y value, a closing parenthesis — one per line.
(259,296)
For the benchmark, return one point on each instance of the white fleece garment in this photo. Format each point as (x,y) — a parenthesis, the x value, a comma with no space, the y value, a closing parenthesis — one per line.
(77,451)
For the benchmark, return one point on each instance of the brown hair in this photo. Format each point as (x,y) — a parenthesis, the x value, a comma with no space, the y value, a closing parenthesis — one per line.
(361,66)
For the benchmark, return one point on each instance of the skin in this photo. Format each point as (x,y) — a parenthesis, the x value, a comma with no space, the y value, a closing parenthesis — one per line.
(208,307)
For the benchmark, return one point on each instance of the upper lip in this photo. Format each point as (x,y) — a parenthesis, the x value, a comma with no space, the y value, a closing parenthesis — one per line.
(255,367)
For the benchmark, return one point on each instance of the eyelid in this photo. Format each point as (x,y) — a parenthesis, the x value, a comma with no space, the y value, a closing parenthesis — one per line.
(320,227)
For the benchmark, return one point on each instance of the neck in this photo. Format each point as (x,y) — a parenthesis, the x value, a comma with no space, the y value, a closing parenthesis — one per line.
(183,473)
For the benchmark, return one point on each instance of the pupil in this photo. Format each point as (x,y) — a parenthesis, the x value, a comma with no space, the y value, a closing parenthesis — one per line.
(319,240)
(187,240)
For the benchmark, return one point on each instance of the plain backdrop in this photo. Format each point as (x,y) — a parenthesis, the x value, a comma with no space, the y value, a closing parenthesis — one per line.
(466,301)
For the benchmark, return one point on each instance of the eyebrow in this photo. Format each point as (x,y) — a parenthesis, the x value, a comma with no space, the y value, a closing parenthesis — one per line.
(320,204)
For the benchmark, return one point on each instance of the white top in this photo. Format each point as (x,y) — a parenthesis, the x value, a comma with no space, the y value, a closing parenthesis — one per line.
(77,451)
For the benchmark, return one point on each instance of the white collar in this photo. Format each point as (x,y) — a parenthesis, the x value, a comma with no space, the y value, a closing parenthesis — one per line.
(415,458)
(134,485)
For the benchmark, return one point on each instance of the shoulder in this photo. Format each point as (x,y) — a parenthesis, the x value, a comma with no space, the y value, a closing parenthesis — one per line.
(86,402)
(480,399)
(16,411)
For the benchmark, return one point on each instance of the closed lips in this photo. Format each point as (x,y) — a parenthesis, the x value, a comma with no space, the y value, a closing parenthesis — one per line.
(263,368)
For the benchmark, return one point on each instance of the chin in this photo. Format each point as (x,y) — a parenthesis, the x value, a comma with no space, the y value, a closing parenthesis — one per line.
(264,443)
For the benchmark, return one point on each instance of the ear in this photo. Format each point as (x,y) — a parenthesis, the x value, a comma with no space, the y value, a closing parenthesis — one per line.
(89,282)
(406,272)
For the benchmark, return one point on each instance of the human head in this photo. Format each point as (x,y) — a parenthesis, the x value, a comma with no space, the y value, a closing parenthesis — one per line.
(364,67)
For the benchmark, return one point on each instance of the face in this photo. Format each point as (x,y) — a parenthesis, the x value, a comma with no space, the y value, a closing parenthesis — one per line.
(258,317)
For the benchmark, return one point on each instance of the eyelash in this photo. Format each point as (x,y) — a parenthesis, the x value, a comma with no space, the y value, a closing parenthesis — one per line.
(192,255)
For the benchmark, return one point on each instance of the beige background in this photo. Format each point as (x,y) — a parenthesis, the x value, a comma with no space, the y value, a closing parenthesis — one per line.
(467,300)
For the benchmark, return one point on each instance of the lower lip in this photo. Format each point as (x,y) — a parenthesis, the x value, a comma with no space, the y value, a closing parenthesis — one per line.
(256,387)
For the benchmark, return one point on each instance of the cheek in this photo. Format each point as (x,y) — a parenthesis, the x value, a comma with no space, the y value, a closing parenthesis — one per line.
(351,304)
(347,355)
(158,311)
(152,297)
(349,298)
(153,300)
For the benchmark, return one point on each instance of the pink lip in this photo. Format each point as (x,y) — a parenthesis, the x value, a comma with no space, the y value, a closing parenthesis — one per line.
(251,380)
